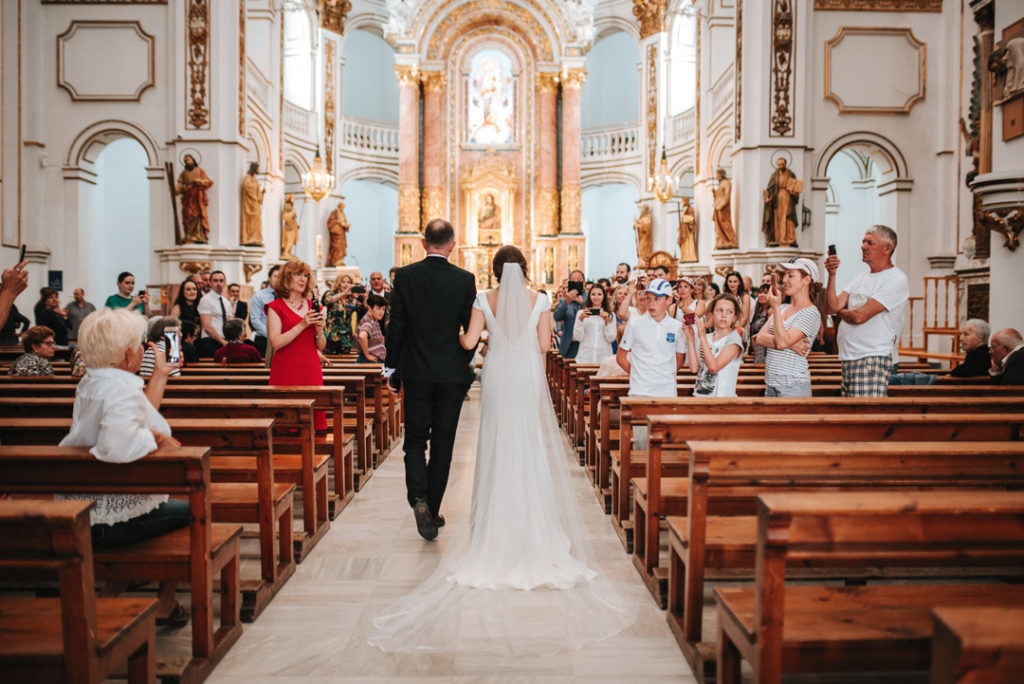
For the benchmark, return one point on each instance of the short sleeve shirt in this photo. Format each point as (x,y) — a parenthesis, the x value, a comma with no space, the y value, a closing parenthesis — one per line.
(654,345)
(784,367)
(722,383)
(208,305)
(878,335)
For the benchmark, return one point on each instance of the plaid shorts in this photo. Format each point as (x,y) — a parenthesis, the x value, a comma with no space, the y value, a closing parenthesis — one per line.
(867,377)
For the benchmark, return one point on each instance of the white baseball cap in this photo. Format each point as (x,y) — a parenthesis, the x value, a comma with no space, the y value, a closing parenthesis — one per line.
(659,287)
(802,264)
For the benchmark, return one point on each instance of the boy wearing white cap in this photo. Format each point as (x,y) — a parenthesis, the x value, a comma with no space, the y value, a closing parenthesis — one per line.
(657,345)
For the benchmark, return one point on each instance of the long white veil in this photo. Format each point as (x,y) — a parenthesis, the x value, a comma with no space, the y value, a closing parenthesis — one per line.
(518,576)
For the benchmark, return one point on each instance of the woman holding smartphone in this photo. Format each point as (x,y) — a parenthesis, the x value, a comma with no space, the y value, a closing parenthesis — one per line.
(686,302)
(790,331)
(595,327)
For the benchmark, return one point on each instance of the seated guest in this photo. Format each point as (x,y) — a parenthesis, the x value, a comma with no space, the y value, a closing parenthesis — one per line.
(974,335)
(1007,351)
(49,313)
(15,325)
(236,351)
(119,419)
(188,342)
(39,347)
(369,335)
(157,328)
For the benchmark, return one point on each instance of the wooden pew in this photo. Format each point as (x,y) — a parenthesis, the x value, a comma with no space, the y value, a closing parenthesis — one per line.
(781,628)
(636,410)
(196,554)
(655,496)
(76,638)
(977,645)
(718,535)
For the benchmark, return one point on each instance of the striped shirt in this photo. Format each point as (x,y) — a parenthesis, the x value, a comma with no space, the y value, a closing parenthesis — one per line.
(146,368)
(784,367)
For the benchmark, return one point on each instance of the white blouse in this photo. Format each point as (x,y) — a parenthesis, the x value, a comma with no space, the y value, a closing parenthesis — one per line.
(113,416)
(595,338)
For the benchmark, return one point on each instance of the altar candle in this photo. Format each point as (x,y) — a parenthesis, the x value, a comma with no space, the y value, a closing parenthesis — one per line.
(319,249)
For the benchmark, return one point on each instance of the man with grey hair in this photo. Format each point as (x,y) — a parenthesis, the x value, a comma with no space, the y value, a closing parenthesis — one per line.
(1007,351)
(871,309)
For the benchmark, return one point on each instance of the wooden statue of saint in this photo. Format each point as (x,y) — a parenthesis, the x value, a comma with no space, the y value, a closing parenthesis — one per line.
(192,186)
(725,235)
(289,228)
(687,233)
(337,227)
(252,208)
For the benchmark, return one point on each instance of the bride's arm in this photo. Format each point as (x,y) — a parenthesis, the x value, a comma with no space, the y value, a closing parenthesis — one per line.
(469,338)
(544,333)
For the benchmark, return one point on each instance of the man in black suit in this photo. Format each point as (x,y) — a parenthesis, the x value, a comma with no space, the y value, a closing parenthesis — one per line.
(1007,351)
(430,301)
(241,308)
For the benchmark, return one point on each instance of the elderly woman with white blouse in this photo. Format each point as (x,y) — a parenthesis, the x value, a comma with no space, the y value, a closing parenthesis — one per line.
(595,327)
(116,416)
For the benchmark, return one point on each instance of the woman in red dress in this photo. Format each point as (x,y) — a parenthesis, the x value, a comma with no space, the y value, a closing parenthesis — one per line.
(296,332)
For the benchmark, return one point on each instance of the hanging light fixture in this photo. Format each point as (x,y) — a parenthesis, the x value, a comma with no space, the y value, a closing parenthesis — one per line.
(317,181)
(663,185)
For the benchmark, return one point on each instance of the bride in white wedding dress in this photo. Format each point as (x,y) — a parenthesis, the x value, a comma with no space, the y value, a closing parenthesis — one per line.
(520,580)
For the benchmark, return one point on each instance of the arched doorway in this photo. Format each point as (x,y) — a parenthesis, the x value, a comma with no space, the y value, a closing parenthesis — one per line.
(121,218)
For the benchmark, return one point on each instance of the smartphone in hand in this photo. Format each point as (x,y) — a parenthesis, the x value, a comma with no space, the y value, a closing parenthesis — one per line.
(172,345)
(21,254)
(831,250)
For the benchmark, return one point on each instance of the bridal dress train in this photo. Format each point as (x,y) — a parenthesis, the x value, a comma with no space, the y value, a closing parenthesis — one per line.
(520,579)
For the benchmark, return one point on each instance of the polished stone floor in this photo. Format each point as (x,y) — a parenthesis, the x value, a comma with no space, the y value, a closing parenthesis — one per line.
(315,629)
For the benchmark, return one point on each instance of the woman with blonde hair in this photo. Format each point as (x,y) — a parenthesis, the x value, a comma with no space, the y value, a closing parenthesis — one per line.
(295,330)
(340,306)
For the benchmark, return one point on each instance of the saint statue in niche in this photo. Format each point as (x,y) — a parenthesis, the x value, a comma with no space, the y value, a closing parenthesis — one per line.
(252,208)
(489,221)
(490,114)
(644,227)
(725,235)
(192,186)
(687,233)
(337,227)
(780,197)
(289,228)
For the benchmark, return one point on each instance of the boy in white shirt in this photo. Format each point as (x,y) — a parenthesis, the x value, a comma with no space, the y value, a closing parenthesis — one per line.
(657,345)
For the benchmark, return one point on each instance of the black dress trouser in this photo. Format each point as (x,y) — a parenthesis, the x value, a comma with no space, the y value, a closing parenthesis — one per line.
(431,414)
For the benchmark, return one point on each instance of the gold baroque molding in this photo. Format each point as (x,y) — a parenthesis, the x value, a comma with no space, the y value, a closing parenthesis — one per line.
(241,69)
(433,204)
(880,5)
(330,104)
(408,207)
(194,266)
(1008,221)
(571,200)
(652,108)
(547,210)
(783,65)
(876,31)
(433,81)
(197,64)
(651,15)
(73,28)
(332,14)
(250,270)
(407,75)
(547,83)
(490,13)
(737,107)
(573,79)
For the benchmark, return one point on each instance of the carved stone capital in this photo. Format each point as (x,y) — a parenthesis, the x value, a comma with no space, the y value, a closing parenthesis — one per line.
(193,267)
(407,75)
(651,15)
(332,14)
(547,83)
(572,79)
(433,81)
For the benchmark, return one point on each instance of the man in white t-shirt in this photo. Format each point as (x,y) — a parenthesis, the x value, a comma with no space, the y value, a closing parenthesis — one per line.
(871,308)
(214,310)
(657,345)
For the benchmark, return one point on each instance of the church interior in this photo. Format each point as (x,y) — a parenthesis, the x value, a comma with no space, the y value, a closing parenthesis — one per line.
(169,138)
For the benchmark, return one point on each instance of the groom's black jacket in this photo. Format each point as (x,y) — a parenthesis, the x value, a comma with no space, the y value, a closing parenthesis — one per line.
(430,300)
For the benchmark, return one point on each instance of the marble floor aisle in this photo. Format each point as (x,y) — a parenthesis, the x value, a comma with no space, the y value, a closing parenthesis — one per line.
(314,630)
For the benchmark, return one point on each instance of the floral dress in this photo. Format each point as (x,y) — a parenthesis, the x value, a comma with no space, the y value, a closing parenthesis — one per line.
(338,328)
(31,364)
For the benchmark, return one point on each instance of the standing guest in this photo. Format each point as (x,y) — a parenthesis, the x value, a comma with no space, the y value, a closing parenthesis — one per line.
(120,420)
(594,328)
(39,348)
(158,345)
(871,309)
(378,286)
(13,282)
(205,278)
(295,332)
(258,314)
(790,332)
(124,299)
(49,313)
(369,335)
(235,296)
(655,341)
(339,305)
(620,301)
(734,286)
(214,312)
(188,342)
(748,284)
(391,275)
(717,363)
(622,273)
(660,272)
(236,351)
(186,304)
(565,313)
(1007,351)
(77,310)
(762,311)
(685,300)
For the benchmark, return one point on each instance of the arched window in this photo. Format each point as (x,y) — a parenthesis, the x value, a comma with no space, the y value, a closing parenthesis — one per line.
(683,80)
(299,54)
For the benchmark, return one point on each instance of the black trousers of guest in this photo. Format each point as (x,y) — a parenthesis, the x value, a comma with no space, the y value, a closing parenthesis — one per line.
(431,414)
(260,342)
(207,347)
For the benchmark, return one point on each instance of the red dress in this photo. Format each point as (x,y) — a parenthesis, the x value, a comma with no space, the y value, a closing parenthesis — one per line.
(296,363)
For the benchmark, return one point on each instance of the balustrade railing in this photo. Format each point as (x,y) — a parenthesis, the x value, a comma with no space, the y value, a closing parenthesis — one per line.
(298,121)
(369,137)
(682,126)
(611,143)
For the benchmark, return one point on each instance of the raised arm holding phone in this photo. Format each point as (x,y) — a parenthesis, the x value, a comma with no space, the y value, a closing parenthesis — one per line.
(14,281)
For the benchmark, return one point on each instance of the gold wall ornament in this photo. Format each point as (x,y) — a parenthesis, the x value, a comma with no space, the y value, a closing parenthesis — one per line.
(574,258)
(880,5)
(432,204)
(737,106)
(652,109)
(547,82)
(495,13)
(783,66)
(330,102)
(547,211)
(651,15)
(1009,221)
(433,81)
(241,69)
(406,255)
(332,14)
(197,66)
(571,200)
(573,78)
(249,270)
(407,75)
(408,208)
(194,266)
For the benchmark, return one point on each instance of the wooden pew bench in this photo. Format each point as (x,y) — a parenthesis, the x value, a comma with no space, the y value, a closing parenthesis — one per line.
(195,555)
(656,497)
(977,645)
(76,638)
(780,628)
(718,535)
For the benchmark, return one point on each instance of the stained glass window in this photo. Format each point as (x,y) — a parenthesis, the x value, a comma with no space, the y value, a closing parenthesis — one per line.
(490,99)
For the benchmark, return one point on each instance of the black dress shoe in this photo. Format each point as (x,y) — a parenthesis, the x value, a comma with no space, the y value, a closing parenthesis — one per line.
(439,520)
(425,523)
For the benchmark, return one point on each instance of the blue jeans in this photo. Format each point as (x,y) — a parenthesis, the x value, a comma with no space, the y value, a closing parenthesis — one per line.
(911,378)
(797,389)
(168,516)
